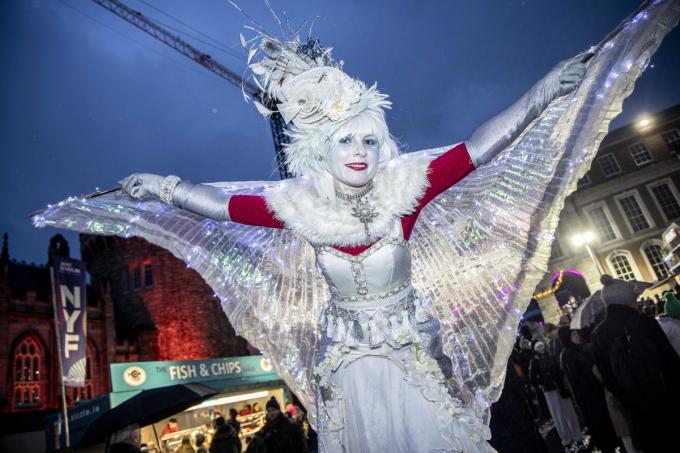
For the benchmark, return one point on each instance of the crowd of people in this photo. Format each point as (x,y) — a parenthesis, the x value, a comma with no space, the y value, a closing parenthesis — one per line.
(607,386)
(284,431)
(610,384)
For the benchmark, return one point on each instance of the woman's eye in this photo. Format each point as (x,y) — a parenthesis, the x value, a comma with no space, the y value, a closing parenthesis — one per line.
(346,140)
(371,141)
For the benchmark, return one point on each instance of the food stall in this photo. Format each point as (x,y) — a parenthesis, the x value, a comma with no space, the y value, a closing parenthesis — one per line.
(243,382)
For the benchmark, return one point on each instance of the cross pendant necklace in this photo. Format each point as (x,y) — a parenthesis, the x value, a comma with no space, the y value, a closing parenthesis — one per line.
(361,208)
(365,212)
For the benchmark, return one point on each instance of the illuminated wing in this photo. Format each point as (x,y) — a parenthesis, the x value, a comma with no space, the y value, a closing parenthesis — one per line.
(481,248)
(266,278)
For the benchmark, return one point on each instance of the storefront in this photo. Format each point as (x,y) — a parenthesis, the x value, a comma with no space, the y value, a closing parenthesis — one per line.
(245,384)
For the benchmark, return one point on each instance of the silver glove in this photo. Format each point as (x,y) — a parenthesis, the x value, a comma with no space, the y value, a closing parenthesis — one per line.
(201,199)
(500,131)
(142,185)
(208,201)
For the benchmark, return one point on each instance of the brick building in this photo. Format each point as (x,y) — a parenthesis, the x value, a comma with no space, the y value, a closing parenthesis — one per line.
(143,304)
(627,199)
(29,376)
(163,310)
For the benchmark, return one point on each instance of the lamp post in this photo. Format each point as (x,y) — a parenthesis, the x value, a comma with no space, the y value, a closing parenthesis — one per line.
(585,238)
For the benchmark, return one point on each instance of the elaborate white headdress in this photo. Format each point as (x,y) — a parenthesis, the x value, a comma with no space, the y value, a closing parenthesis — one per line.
(311,92)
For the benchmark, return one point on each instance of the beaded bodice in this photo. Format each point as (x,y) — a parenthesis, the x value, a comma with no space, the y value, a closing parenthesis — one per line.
(383,268)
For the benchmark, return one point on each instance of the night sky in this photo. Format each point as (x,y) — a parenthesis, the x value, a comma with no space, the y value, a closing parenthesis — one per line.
(86,99)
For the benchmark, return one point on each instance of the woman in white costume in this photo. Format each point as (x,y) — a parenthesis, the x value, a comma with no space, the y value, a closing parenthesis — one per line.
(386,355)
(374,393)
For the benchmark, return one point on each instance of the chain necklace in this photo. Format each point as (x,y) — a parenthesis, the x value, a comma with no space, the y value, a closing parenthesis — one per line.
(361,207)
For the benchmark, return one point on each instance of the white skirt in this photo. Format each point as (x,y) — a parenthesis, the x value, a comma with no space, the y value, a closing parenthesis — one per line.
(383,403)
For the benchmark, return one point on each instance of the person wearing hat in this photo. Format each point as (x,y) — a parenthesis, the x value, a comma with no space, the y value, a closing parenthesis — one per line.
(669,320)
(637,364)
(279,433)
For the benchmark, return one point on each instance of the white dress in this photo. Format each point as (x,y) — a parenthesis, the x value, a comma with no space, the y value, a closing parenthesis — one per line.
(380,385)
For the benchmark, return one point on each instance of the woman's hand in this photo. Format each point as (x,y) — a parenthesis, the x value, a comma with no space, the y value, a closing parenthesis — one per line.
(499,132)
(562,79)
(140,185)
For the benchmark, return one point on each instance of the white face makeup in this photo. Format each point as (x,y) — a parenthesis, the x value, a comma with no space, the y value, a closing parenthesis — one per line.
(353,159)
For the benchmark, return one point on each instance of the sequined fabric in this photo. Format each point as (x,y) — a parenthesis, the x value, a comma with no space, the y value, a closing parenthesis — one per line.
(478,250)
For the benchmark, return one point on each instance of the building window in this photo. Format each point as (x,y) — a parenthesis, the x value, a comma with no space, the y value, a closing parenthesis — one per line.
(148,275)
(583,181)
(136,277)
(640,153)
(666,198)
(634,211)
(29,373)
(601,221)
(672,140)
(609,165)
(654,253)
(622,265)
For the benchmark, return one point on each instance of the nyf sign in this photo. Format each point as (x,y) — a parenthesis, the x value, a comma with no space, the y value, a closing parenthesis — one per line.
(70,300)
(70,297)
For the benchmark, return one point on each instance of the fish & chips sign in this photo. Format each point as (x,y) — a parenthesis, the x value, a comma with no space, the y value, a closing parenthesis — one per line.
(145,375)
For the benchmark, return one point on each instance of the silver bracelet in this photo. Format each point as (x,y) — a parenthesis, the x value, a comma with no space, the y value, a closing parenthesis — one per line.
(168,187)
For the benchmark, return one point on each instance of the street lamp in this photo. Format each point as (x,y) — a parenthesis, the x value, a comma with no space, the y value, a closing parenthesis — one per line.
(644,122)
(585,238)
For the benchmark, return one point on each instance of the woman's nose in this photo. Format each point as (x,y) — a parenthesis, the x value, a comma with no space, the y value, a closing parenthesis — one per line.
(359,150)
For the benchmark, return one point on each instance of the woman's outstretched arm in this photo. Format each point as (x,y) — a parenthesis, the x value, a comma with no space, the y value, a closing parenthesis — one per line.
(500,131)
(206,200)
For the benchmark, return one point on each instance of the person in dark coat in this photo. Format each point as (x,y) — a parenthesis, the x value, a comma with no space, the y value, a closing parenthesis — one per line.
(235,424)
(279,434)
(648,369)
(225,439)
(543,374)
(512,427)
(588,392)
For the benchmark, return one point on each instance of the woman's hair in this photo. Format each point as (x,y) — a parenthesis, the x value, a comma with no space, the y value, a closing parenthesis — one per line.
(368,122)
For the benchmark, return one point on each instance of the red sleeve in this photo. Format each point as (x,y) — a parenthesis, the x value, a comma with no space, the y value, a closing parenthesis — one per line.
(252,210)
(442,173)
(445,171)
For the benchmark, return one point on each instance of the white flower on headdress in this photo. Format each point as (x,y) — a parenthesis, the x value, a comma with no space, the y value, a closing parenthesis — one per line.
(317,96)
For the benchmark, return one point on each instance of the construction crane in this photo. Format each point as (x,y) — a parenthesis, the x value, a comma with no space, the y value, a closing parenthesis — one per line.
(145,24)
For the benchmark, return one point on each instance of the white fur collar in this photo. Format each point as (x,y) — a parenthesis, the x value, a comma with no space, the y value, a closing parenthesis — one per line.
(397,189)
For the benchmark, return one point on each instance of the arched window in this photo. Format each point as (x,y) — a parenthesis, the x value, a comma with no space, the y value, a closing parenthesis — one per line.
(653,252)
(622,265)
(29,373)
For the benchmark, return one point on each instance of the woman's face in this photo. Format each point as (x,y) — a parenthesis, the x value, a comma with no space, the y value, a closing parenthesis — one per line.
(575,338)
(353,158)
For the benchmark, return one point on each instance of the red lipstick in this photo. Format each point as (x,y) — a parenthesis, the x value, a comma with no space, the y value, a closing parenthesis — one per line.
(357,166)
